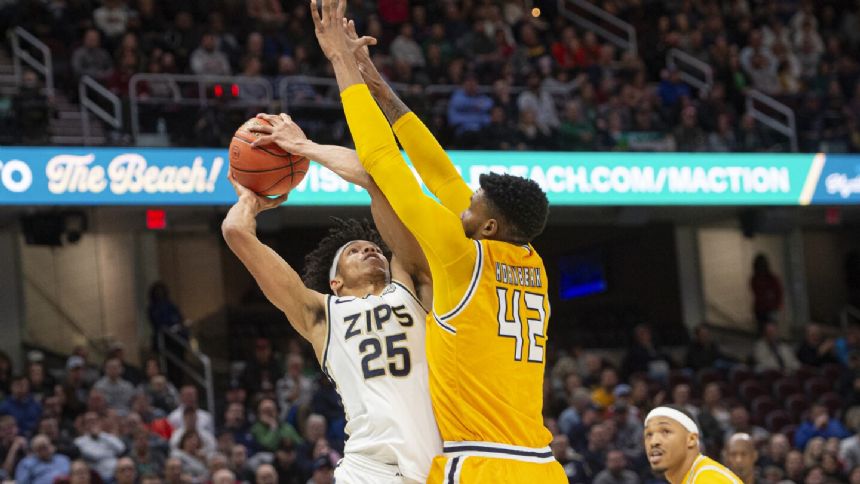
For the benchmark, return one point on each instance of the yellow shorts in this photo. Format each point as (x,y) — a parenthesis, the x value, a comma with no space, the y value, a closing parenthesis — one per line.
(469,467)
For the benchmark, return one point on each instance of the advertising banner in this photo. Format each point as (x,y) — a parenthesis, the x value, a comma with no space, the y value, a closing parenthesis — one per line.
(188,176)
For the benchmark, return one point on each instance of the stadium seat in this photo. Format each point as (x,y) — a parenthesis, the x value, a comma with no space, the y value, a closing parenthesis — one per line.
(677,377)
(710,375)
(769,376)
(805,373)
(761,407)
(789,431)
(817,386)
(832,371)
(776,420)
(784,387)
(740,374)
(832,401)
(796,405)
(749,390)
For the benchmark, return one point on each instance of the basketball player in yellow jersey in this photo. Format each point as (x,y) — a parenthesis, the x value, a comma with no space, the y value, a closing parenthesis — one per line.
(672,445)
(486,337)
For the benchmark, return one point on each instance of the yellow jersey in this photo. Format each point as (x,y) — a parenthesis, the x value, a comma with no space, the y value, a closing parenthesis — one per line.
(486,337)
(487,354)
(708,471)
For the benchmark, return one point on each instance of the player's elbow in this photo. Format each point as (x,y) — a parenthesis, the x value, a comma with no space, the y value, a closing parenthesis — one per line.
(233,233)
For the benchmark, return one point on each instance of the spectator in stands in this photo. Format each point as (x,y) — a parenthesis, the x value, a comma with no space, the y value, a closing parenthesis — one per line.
(190,454)
(5,373)
(498,135)
(571,416)
(22,406)
(189,422)
(239,463)
(849,451)
(164,315)
(32,110)
(160,393)
(188,399)
(572,462)
(148,457)
(266,474)
(672,88)
(603,396)
(268,432)
(286,465)
(235,424)
(62,442)
(263,372)
(704,352)
(767,291)
(323,472)
(723,140)
(468,111)
(681,397)
(405,49)
(616,471)
(90,59)
(208,60)
(689,136)
(130,372)
(112,19)
(13,447)
(575,133)
(644,356)
(98,448)
(41,384)
(117,392)
(739,423)
(530,134)
(173,473)
(540,102)
(776,451)
(599,444)
(819,424)
(769,353)
(295,388)
(126,473)
(628,434)
(43,465)
(815,350)
(847,346)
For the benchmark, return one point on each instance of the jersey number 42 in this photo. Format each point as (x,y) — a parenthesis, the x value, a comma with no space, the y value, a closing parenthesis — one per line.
(511,321)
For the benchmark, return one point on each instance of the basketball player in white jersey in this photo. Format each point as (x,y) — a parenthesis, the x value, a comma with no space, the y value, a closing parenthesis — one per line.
(362,317)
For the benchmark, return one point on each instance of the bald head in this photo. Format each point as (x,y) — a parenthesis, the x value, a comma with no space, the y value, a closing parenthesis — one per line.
(741,455)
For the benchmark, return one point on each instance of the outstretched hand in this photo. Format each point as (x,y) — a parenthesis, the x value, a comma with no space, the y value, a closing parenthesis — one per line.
(283,132)
(258,203)
(331,30)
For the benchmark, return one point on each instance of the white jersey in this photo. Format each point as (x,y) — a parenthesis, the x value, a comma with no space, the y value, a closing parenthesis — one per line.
(374,353)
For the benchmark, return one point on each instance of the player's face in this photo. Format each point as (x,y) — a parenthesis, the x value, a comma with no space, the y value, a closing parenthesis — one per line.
(666,444)
(362,259)
(741,456)
(478,221)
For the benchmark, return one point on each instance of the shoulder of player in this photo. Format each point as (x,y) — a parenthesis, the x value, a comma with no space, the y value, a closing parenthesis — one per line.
(709,473)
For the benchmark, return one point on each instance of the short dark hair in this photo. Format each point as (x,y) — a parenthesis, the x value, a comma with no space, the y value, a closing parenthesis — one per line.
(519,201)
(318,262)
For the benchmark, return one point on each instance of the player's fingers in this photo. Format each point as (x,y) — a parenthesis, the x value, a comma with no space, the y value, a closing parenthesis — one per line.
(262,128)
(326,14)
(286,119)
(315,14)
(280,199)
(263,141)
(341,8)
(350,29)
(366,40)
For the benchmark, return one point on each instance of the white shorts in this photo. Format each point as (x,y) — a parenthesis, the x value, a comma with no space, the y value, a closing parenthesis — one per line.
(357,469)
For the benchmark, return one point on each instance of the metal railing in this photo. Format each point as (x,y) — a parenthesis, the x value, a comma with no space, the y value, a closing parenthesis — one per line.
(90,105)
(694,72)
(100,345)
(764,108)
(605,25)
(202,378)
(195,90)
(20,40)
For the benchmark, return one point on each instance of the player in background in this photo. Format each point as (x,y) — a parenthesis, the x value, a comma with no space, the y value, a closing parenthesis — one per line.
(368,332)
(741,456)
(486,339)
(672,446)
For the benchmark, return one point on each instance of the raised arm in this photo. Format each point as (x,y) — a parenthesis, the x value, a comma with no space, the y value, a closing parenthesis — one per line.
(427,155)
(408,264)
(280,283)
(437,229)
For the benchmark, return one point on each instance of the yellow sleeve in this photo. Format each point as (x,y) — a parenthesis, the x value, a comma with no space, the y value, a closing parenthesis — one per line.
(713,475)
(432,163)
(449,252)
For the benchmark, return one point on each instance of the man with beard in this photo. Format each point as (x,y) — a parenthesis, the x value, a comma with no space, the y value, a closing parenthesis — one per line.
(672,446)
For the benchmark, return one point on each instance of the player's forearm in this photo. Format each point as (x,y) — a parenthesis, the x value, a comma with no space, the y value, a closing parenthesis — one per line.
(346,71)
(342,161)
(392,106)
(240,219)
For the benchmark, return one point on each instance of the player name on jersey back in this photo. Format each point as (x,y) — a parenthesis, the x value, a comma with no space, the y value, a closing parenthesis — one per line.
(519,275)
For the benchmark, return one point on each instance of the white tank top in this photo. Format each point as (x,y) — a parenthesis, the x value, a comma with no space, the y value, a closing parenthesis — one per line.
(374,353)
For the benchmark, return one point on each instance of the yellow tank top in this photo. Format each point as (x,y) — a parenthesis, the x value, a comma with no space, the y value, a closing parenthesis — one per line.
(487,354)
(708,471)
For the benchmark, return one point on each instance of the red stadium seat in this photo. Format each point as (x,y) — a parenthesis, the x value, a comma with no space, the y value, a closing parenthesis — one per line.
(677,377)
(751,389)
(796,405)
(710,375)
(784,387)
(776,420)
(832,371)
(761,407)
(805,373)
(832,401)
(817,386)
(789,431)
(769,376)
(740,374)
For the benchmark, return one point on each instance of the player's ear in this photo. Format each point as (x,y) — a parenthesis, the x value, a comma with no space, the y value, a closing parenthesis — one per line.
(335,285)
(692,441)
(490,228)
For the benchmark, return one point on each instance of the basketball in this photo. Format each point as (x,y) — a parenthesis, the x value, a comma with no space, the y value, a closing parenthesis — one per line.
(266,170)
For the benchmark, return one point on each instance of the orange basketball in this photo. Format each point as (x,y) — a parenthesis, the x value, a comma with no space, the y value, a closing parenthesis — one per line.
(267,170)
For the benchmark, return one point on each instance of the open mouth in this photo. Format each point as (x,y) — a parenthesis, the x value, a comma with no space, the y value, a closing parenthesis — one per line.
(655,456)
(373,255)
